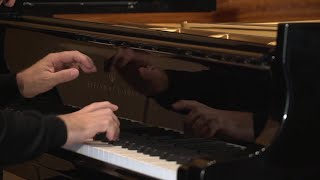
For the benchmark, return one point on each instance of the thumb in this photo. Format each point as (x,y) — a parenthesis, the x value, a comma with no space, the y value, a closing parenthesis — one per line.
(65,75)
(186,105)
(147,73)
(181,105)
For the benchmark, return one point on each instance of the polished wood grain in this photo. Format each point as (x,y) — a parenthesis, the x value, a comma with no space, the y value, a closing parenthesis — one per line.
(266,10)
(227,11)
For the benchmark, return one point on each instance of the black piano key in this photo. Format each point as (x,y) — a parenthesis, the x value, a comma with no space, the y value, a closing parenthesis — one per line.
(100,137)
(147,150)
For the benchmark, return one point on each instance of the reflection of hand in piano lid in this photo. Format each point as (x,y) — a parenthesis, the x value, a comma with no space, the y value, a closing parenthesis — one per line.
(108,64)
(204,121)
(135,67)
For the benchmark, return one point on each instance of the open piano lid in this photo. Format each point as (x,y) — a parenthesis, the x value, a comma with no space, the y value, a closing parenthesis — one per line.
(51,7)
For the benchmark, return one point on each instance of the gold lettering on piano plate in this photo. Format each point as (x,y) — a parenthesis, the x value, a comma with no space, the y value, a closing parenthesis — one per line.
(111,89)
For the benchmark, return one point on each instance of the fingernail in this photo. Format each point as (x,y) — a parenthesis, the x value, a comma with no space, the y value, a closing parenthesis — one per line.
(74,72)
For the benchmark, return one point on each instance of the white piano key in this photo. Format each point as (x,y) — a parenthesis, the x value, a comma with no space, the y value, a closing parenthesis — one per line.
(129,159)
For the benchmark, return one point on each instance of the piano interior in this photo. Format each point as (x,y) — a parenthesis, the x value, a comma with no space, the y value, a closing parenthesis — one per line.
(196,100)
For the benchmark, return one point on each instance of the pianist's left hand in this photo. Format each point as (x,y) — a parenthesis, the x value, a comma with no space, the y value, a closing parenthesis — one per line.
(52,70)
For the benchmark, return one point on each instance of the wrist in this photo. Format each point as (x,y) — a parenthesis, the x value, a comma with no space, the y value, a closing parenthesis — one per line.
(72,135)
(20,83)
(25,84)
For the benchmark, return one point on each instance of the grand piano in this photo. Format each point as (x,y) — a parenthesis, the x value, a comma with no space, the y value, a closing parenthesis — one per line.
(271,80)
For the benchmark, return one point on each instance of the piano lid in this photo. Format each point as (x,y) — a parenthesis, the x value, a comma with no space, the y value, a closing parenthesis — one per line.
(51,7)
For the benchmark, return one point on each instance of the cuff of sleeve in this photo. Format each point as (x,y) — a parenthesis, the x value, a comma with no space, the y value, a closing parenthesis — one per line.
(9,81)
(58,131)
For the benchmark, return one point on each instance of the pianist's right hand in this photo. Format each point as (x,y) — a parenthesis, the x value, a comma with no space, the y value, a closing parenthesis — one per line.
(92,119)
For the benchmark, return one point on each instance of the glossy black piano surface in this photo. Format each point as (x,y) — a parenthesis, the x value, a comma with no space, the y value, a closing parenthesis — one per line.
(267,81)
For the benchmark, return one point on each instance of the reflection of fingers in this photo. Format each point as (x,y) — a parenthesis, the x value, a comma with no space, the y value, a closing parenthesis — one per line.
(123,57)
(186,104)
(204,131)
(127,57)
(212,132)
(143,72)
(148,74)
(179,105)
(122,62)
(193,115)
(198,124)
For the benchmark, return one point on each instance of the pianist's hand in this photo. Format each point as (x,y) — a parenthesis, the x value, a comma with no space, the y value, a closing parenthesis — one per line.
(204,121)
(52,70)
(8,3)
(92,119)
(136,68)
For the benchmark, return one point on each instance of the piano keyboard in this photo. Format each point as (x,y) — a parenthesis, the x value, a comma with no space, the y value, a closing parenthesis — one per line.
(156,152)
(129,159)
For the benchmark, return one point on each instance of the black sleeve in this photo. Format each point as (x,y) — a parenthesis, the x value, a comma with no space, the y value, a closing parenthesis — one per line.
(8,89)
(26,135)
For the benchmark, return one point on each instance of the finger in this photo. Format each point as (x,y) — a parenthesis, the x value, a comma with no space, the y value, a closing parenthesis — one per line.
(198,124)
(68,57)
(212,132)
(179,105)
(141,59)
(116,120)
(204,132)
(122,57)
(9,3)
(113,132)
(193,115)
(126,56)
(111,115)
(100,105)
(64,76)
(148,73)
(191,118)
(106,114)
(1,2)
(185,104)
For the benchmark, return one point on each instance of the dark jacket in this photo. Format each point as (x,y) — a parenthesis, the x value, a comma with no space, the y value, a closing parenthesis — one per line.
(25,135)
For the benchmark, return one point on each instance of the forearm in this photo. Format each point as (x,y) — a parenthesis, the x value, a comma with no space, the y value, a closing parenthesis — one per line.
(239,125)
(25,135)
